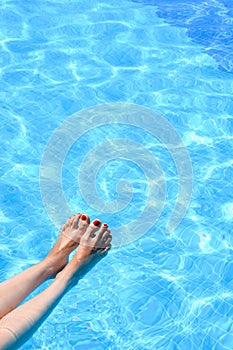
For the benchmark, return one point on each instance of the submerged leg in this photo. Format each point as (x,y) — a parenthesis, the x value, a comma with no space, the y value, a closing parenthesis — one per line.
(17,326)
(14,290)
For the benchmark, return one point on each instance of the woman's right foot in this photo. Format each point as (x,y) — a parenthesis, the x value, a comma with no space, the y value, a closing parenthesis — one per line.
(96,239)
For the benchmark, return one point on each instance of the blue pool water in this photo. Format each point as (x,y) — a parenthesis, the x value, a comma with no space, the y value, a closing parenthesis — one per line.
(164,290)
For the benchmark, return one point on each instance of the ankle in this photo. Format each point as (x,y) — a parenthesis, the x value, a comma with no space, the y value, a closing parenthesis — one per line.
(68,272)
(47,268)
(51,266)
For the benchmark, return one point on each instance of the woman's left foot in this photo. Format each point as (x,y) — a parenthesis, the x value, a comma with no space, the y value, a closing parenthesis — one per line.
(67,241)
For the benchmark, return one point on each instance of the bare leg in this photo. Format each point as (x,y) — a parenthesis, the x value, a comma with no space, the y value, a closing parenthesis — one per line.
(17,326)
(14,290)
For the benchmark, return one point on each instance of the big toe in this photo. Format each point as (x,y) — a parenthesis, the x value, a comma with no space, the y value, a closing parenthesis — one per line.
(93,227)
(84,222)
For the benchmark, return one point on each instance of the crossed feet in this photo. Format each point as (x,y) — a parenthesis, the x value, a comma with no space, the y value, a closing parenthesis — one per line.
(92,238)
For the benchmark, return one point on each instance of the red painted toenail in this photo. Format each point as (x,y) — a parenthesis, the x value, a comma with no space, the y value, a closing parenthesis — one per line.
(105,225)
(96,222)
(83,217)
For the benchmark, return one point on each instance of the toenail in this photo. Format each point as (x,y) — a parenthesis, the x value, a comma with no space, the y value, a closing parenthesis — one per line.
(83,217)
(96,222)
(105,225)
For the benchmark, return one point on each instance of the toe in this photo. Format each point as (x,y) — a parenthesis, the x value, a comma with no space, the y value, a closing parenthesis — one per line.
(102,231)
(103,252)
(93,227)
(84,220)
(105,240)
(108,241)
(76,219)
(106,234)
(68,223)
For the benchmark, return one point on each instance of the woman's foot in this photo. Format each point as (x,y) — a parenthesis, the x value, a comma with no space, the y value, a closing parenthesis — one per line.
(94,244)
(68,239)
(96,239)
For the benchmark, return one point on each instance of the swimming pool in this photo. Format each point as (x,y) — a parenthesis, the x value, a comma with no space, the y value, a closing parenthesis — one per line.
(163,291)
